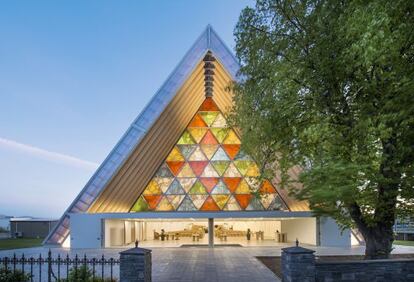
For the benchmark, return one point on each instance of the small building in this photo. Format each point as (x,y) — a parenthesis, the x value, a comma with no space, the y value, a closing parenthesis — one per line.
(404,229)
(27,227)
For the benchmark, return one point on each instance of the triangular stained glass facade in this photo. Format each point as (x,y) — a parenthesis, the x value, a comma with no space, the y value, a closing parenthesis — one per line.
(207,171)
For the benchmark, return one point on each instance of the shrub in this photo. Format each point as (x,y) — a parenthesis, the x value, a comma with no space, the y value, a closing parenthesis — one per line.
(8,275)
(84,274)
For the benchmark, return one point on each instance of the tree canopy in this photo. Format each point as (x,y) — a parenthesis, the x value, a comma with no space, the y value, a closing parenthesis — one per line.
(329,85)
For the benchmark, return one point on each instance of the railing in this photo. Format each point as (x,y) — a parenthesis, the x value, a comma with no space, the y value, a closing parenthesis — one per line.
(61,268)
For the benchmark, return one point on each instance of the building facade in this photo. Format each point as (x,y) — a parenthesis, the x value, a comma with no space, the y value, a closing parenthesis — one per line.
(179,176)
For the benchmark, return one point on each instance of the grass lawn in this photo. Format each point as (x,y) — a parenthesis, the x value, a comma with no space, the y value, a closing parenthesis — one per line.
(404,243)
(7,244)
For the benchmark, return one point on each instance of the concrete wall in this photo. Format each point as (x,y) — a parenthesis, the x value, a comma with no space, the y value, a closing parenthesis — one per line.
(303,229)
(85,231)
(330,235)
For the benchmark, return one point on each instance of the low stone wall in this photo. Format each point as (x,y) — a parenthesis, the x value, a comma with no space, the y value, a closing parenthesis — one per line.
(370,270)
(299,264)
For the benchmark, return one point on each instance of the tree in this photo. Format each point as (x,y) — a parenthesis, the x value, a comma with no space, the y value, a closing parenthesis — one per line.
(328,85)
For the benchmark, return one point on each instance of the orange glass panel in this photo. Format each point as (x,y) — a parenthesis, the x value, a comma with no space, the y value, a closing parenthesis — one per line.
(267,187)
(243,200)
(208,105)
(197,121)
(152,200)
(231,149)
(209,182)
(209,139)
(175,167)
(232,183)
(209,205)
(198,167)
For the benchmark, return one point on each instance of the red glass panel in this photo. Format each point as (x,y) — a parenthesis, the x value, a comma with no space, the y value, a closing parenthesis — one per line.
(209,139)
(197,121)
(209,182)
(243,200)
(209,205)
(231,149)
(208,105)
(232,183)
(175,167)
(152,200)
(198,167)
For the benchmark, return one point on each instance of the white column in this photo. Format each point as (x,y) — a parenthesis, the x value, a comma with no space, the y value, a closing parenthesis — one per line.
(211,232)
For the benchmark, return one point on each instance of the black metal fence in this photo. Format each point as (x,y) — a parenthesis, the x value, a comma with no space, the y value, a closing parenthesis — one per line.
(61,268)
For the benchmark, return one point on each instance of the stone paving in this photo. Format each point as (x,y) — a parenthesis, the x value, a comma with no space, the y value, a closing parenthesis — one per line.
(204,264)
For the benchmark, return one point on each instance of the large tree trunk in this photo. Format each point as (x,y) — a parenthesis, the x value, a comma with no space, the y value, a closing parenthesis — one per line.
(378,242)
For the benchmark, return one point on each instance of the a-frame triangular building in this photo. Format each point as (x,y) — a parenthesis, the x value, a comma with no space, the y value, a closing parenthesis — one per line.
(179,156)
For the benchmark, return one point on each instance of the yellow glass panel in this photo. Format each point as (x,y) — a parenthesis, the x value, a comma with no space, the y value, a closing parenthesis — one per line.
(253,171)
(197,133)
(231,138)
(220,133)
(164,205)
(186,139)
(220,200)
(209,149)
(152,189)
(243,188)
(163,182)
(175,155)
(186,171)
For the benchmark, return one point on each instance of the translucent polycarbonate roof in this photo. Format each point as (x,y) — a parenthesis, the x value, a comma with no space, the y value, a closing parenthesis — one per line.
(208,40)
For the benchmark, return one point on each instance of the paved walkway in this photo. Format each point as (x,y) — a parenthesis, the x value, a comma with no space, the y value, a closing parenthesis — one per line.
(203,264)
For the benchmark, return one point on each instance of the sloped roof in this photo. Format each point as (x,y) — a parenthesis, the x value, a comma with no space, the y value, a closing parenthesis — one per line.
(186,79)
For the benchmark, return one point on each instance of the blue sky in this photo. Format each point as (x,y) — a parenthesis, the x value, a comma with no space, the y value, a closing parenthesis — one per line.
(74,75)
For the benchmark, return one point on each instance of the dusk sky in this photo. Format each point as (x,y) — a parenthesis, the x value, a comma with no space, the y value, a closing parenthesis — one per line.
(74,75)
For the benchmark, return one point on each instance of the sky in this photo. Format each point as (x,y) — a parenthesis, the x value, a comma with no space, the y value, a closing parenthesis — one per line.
(73,77)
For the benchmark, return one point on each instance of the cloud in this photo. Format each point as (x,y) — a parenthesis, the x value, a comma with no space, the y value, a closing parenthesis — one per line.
(47,155)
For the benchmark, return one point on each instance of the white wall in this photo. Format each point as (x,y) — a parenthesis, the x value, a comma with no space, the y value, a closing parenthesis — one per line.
(331,235)
(303,229)
(85,231)
(269,227)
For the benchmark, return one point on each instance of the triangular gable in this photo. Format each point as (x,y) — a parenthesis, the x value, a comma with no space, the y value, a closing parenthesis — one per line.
(208,40)
(208,172)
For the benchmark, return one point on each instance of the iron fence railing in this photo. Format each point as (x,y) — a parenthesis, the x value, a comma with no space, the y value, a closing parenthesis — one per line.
(61,268)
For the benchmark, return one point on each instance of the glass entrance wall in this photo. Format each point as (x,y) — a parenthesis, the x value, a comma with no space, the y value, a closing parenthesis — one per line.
(178,232)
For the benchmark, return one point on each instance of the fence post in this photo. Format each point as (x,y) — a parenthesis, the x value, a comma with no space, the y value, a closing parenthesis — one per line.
(135,265)
(298,264)
(49,266)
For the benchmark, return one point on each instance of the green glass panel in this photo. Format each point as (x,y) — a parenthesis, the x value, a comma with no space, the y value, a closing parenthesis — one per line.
(220,166)
(140,205)
(208,117)
(186,139)
(198,188)
(243,166)
(220,133)
(242,156)
(232,171)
